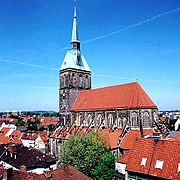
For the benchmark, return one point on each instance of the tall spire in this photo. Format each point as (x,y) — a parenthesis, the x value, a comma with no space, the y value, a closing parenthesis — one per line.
(74,58)
(75,38)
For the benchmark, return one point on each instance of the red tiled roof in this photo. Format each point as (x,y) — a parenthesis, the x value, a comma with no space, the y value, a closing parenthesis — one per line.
(176,138)
(6,119)
(15,141)
(124,159)
(63,173)
(26,118)
(4,139)
(57,132)
(21,175)
(29,135)
(123,96)
(44,136)
(7,140)
(129,139)
(111,138)
(16,134)
(167,151)
(4,130)
(46,121)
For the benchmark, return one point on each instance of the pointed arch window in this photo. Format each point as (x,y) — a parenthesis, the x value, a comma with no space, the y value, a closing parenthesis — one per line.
(124,121)
(89,120)
(80,119)
(110,120)
(73,80)
(99,120)
(146,119)
(80,80)
(119,122)
(87,81)
(64,80)
(134,119)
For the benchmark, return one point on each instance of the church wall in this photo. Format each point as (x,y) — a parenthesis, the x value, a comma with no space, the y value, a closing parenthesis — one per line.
(115,118)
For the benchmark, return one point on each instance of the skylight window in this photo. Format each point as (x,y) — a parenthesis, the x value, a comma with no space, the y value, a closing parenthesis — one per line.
(159,164)
(143,161)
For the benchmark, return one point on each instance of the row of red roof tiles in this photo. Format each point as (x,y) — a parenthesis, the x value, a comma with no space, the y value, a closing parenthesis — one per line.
(6,119)
(110,137)
(46,121)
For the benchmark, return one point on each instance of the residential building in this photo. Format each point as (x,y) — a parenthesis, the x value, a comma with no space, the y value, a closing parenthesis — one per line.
(31,159)
(62,173)
(150,158)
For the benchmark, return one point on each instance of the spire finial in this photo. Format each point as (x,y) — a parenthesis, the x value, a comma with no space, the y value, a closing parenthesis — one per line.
(137,77)
(75,15)
(75,38)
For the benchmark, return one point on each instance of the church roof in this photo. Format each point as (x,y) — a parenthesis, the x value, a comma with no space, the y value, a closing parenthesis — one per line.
(71,61)
(125,96)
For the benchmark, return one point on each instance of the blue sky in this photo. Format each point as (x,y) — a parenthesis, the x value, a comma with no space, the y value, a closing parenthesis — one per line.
(121,40)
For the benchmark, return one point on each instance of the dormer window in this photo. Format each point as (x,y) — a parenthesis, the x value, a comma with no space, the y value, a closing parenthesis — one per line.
(143,161)
(159,164)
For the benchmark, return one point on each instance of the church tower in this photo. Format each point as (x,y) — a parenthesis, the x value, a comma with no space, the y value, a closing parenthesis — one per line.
(75,75)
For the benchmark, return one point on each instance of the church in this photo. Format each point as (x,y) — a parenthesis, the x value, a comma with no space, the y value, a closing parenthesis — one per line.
(107,107)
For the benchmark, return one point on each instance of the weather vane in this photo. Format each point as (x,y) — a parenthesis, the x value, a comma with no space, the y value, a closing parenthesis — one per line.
(137,78)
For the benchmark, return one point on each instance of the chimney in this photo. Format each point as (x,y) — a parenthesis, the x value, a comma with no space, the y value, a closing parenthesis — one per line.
(50,168)
(23,168)
(12,148)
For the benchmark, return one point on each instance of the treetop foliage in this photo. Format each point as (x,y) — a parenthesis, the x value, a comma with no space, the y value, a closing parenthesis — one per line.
(88,154)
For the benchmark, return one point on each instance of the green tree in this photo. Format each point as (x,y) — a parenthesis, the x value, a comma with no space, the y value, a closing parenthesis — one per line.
(88,154)
(46,114)
(106,169)
(32,125)
(21,123)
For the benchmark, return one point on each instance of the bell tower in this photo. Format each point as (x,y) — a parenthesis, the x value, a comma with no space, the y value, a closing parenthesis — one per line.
(75,75)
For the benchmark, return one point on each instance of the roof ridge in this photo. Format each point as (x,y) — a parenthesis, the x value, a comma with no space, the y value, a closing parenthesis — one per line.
(106,87)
